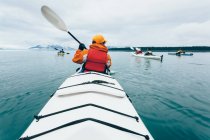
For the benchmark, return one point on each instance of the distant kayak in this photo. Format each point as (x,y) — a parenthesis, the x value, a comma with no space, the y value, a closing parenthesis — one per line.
(182,54)
(60,53)
(148,56)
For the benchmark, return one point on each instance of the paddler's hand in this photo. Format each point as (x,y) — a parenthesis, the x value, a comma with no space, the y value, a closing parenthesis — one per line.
(82,46)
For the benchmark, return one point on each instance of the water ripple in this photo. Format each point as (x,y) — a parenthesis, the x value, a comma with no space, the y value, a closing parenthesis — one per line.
(172,97)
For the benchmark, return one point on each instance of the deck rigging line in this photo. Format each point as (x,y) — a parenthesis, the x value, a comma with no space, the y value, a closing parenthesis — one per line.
(81,106)
(84,120)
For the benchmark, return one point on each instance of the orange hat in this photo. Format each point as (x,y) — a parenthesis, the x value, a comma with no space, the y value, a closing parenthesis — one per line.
(99,39)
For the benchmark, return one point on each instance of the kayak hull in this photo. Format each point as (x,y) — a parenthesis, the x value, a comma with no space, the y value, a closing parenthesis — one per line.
(60,53)
(81,109)
(183,54)
(148,56)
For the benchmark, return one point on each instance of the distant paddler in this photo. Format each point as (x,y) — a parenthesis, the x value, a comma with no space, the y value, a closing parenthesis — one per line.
(149,52)
(61,51)
(180,51)
(138,51)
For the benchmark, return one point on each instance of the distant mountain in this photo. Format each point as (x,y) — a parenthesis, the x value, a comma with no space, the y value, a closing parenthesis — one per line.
(37,47)
(50,47)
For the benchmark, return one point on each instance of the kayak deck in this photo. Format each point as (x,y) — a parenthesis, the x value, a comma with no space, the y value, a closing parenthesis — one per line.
(88,106)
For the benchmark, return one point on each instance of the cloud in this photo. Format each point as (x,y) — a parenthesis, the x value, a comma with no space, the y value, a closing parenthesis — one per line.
(123,23)
(193,33)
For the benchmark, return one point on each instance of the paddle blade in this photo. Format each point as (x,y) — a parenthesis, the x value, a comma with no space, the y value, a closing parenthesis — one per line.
(53,18)
(131,48)
(138,49)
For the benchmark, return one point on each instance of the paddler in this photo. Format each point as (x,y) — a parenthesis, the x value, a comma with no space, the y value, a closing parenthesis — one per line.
(180,51)
(149,52)
(61,51)
(139,51)
(96,58)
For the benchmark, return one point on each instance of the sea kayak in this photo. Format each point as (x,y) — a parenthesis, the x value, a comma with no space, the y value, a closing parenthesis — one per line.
(182,54)
(91,106)
(148,56)
(60,53)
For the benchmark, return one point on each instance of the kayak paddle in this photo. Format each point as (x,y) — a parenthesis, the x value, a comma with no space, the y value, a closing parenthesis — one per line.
(132,48)
(55,20)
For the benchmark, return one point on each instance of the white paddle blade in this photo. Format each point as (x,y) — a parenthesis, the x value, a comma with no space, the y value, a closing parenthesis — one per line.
(131,48)
(138,49)
(53,18)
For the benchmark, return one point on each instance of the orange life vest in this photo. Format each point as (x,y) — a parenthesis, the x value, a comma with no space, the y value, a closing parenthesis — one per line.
(96,60)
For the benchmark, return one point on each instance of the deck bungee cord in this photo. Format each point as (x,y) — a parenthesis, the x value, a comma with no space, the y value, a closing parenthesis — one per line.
(84,120)
(38,117)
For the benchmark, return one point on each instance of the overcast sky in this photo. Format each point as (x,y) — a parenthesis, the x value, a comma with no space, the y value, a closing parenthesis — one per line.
(122,22)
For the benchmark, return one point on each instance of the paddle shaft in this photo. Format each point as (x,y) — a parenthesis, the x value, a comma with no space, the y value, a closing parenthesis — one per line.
(74,37)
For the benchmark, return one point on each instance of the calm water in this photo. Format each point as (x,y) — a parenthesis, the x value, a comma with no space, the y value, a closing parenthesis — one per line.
(172,97)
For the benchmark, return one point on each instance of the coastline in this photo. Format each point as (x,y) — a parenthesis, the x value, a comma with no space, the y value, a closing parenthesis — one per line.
(166,49)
